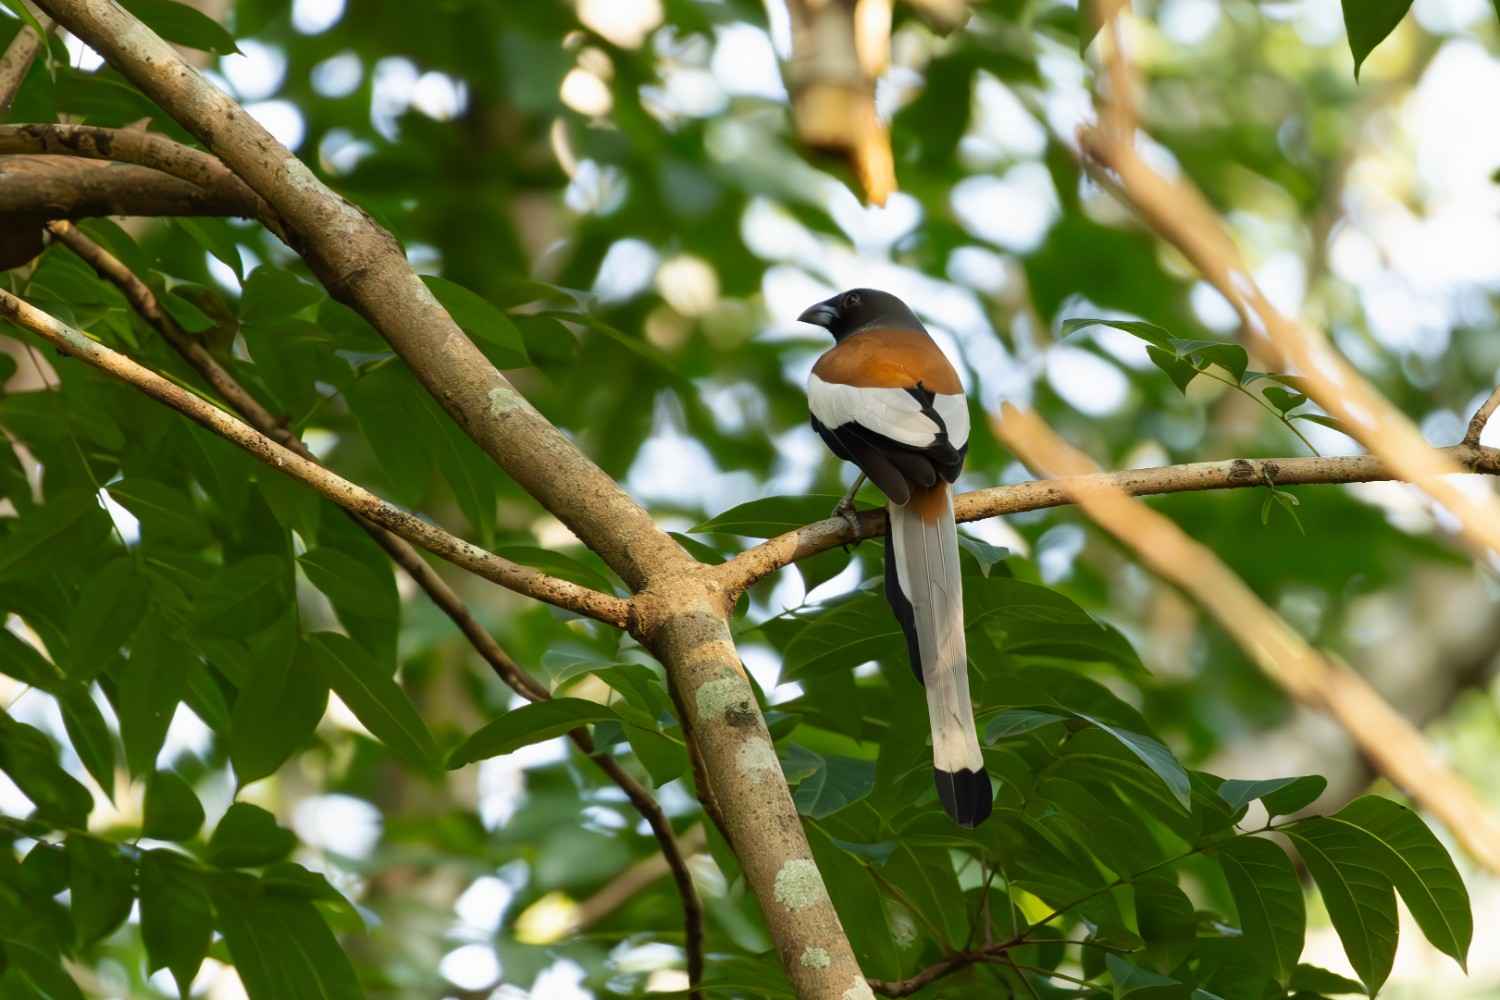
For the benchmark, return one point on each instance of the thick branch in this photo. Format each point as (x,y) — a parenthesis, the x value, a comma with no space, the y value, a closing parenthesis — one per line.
(17,59)
(364,266)
(1238,473)
(144,149)
(1391,741)
(673,856)
(523,579)
(65,187)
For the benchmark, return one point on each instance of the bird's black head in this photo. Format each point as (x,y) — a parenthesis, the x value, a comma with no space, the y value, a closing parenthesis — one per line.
(860,309)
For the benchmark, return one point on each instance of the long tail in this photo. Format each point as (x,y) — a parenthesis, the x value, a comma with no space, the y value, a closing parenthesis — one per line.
(923,585)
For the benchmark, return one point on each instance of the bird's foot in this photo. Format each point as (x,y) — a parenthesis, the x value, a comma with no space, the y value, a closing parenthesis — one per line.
(846,511)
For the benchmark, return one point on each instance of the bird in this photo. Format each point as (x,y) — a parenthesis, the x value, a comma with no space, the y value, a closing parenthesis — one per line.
(887,399)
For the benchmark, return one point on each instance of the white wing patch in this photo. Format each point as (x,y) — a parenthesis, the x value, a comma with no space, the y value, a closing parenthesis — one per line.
(894,413)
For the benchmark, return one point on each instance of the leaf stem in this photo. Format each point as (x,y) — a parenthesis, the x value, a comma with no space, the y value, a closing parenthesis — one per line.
(1261,401)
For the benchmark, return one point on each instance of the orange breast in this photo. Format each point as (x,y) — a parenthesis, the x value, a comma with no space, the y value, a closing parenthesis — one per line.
(888,359)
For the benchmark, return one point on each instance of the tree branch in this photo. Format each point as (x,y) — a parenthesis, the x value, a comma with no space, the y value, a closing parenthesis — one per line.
(17,59)
(65,187)
(1481,418)
(513,576)
(1177,212)
(1310,677)
(364,266)
(673,855)
(755,563)
(144,149)
(680,615)
(839,47)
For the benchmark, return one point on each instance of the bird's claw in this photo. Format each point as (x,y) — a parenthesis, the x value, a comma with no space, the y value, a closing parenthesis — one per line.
(846,511)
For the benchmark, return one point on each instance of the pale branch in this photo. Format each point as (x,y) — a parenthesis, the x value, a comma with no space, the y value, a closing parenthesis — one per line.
(680,615)
(362,265)
(144,149)
(755,563)
(673,854)
(67,187)
(513,576)
(17,59)
(1179,213)
(838,50)
(1307,675)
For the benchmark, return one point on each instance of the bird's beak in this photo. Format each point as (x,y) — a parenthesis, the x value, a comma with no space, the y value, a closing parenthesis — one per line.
(821,314)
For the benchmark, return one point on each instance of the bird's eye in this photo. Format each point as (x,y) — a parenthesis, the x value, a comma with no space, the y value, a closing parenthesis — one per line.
(851,300)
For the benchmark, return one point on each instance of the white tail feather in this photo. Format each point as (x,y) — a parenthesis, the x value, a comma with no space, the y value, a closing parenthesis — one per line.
(926,554)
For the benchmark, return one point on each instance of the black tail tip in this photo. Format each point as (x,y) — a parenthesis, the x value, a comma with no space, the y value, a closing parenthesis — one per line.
(966,795)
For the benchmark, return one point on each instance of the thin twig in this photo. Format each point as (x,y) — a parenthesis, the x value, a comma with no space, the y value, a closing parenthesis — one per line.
(1321,682)
(758,562)
(513,576)
(673,853)
(1481,418)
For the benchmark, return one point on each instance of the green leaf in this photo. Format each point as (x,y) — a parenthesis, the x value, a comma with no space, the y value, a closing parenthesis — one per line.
(1326,421)
(834,783)
(21,660)
(215,236)
(986,555)
(102,883)
(374,698)
(1344,861)
(1311,979)
(1284,399)
(1023,619)
(179,23)
(245,597)
(1280,796)
(1421,869)
(526,725)
(176,920)
(31,761)
(287,878)
(1018,722)
(1294,797)
(185,311)
(60,515)
(165,514)
(150,686)
(1136,983)
(365,599)
(1269,900)
(1154,755)
(281,945)
(1179,371)
(41,973)
(1368,23)
(108,611)
(248,836)
(278,708)
(489,327)
(271,294)
(770,516)
(1149,332)
(172,811)
(89,734)
(1166,920)
(1231,357)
